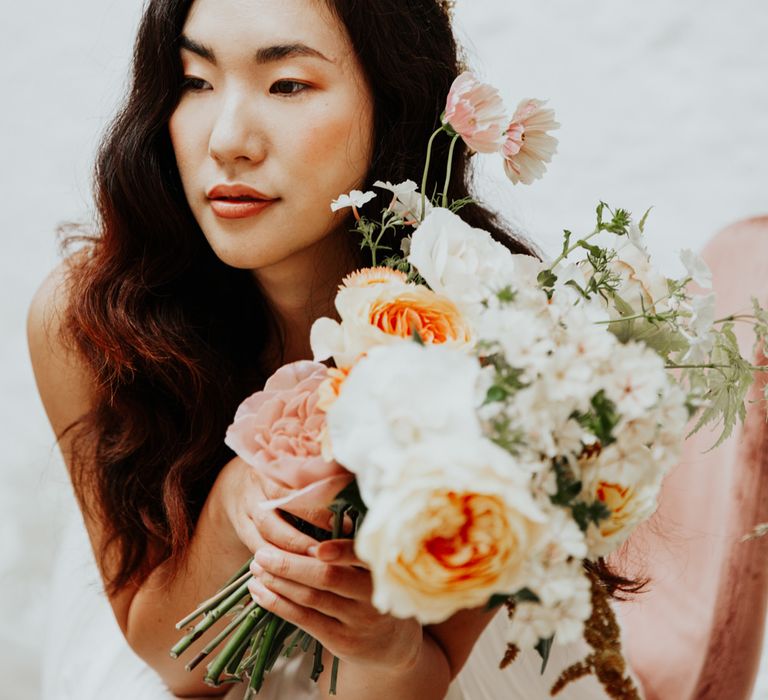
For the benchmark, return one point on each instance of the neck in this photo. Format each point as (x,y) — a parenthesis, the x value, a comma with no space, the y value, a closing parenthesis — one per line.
(303,288)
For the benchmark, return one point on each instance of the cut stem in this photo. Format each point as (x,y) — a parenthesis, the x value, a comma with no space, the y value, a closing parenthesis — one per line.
(235,582)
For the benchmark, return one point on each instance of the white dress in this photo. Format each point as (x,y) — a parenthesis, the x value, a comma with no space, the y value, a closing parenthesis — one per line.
(86,656)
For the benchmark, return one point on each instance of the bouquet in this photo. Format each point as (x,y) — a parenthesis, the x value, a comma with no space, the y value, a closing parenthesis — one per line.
(493,424)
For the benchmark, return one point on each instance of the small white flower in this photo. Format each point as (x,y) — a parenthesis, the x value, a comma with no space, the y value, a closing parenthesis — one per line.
(634,379)
(398,190)
(697,268)
(355,199)
(406,200)
(563,609)
(701,339)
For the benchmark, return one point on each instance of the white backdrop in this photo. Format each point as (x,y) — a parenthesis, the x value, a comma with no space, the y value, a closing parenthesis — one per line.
(661,103)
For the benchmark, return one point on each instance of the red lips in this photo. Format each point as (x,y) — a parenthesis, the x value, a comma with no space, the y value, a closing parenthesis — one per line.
(238,201)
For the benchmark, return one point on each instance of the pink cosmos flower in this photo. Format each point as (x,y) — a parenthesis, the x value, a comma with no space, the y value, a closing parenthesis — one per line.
(476,112)
(279,430)
(528,144)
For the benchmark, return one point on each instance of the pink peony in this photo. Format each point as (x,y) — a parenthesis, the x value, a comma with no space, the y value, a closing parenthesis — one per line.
(528,145)
(476,112)
(279,430)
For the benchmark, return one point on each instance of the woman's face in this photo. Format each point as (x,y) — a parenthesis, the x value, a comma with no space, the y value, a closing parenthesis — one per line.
(275,106)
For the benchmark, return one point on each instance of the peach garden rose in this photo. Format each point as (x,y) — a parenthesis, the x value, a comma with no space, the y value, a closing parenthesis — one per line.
(279,430)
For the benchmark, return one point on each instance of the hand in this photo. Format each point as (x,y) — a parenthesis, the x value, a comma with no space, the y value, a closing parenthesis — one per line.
(244,489)
(328,595)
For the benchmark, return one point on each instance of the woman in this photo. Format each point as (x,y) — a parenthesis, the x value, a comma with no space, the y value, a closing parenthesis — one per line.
(216,250)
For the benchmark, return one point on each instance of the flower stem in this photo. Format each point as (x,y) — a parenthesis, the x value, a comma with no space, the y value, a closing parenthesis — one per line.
(257,675)
(334,675)
(210,618)
(233,645)
(221,636)
(448,170)
(233,584)
(426,172)
(567,252)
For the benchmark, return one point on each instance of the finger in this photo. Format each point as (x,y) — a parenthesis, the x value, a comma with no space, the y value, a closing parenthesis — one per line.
(275,530)
(345,581)
(337,552)
(315,623)
(334,606)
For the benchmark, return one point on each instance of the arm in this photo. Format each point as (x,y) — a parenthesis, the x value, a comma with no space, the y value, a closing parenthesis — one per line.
(146,615)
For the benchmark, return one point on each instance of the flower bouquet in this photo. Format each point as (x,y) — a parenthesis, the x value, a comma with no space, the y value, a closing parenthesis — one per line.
(517,415)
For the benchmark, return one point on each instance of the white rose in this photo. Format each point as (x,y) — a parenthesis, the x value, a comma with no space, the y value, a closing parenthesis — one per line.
(456,528)
(397,397)
(460,261)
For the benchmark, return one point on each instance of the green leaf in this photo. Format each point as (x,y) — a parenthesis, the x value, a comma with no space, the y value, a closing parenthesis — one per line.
(506,295)
(495,394)
(544,647)
(641,224)
(496,600)
(526,595)
(546,278)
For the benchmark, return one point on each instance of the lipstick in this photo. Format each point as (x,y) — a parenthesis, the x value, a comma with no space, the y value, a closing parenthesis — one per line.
(238,201)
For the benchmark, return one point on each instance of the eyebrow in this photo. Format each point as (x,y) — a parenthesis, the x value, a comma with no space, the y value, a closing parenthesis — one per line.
(266,54)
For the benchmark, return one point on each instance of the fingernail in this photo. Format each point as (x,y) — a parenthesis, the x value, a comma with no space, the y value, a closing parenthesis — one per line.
(256,570)
(330,552)
(312,551)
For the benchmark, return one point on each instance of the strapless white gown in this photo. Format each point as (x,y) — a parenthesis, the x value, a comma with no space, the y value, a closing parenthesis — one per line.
(86,657)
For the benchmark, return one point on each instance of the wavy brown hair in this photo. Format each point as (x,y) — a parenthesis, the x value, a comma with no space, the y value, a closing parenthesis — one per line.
(172,335)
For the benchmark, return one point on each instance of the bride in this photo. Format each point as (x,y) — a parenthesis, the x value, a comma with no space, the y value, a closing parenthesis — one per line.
(216,249)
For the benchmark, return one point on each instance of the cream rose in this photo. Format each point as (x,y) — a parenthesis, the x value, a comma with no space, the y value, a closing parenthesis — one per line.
(457,529)
(377,308)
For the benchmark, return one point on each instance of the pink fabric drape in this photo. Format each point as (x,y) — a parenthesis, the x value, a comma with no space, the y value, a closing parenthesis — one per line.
(697,633)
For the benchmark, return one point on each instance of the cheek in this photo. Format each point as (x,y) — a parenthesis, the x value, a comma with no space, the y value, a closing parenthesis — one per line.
(185,136)
(336,146)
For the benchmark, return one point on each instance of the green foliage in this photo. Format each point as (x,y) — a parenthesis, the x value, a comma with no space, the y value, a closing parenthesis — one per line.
(726,386)
(567,496)
(601,419)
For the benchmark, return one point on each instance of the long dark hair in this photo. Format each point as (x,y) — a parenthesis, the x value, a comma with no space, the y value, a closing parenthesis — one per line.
(172,334)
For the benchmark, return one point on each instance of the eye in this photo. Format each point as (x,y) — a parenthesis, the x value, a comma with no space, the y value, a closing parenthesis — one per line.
(192,84)
(287,87)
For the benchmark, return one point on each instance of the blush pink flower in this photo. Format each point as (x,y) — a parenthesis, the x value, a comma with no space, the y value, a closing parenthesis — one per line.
(528,144)
(476,112)
(279,430)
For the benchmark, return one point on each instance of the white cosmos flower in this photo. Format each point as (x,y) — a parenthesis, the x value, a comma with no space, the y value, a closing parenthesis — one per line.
(456,527)
(697,268)
(635,235)
(355,199)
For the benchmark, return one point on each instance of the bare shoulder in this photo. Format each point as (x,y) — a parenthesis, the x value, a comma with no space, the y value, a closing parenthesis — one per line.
(65,385)
(67,390)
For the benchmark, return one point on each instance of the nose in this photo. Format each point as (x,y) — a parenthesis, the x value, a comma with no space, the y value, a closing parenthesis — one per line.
(236,134)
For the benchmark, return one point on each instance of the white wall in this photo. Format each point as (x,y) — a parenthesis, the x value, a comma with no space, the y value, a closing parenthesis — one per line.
(661,104)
